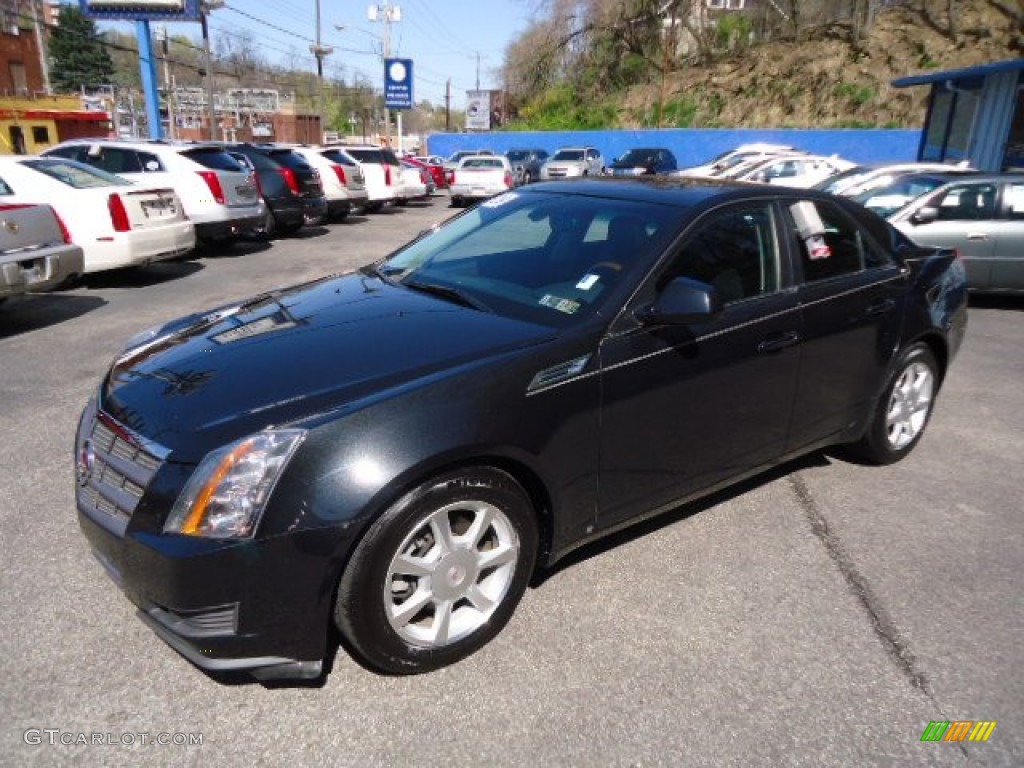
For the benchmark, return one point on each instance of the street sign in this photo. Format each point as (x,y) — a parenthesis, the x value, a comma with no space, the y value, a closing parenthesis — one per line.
(398,83)
(141,10)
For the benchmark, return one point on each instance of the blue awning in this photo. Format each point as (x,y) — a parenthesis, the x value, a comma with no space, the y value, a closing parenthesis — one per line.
(957,74)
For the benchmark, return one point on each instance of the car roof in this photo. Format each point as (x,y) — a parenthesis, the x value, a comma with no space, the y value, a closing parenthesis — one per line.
(680,191)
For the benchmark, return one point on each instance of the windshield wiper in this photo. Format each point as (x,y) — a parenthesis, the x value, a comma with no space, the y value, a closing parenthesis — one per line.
(451,293)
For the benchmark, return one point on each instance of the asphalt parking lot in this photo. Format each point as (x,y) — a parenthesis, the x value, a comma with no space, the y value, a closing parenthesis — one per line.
(821,615)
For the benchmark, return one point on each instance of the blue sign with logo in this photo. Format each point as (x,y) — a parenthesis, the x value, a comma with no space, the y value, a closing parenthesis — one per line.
(141,10)
(398,83)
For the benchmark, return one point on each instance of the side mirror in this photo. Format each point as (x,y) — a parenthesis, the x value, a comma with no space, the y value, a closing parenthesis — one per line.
(683,301)
(925,215)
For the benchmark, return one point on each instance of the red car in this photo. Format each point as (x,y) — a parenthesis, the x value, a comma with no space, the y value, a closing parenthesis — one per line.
(436,171)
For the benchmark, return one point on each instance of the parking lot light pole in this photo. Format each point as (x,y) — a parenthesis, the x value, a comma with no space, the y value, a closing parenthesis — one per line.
(386,13)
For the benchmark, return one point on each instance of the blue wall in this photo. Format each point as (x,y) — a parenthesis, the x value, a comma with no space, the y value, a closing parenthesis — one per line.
(692,146)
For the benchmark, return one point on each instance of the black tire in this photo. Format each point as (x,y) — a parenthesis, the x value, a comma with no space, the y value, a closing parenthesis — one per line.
(269,227)
(373,207)
(458,202)
(375,586)
(904,409)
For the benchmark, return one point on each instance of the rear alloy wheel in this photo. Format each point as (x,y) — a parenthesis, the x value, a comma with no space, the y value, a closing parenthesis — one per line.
(903,410)
(440,573)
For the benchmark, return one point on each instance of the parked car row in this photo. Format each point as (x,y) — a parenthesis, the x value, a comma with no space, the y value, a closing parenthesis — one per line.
(933,203)
(90,205)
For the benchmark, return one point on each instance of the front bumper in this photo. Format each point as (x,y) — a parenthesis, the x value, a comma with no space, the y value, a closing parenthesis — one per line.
(261,606)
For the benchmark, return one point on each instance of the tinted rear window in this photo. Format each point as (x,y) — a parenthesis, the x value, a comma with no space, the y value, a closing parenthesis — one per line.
(289,159)
(335,156)
(259,160)
(379,156)
(211,157)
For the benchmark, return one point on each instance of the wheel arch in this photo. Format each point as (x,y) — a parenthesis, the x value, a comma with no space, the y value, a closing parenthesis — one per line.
(939,349)
(520,471)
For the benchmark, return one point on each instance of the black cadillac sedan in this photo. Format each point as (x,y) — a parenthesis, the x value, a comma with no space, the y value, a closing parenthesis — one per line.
(392,453)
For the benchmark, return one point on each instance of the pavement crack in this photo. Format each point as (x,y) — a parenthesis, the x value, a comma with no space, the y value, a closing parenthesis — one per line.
(881,622)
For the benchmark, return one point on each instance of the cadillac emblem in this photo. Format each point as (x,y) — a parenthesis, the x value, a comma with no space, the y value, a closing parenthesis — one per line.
(11,226)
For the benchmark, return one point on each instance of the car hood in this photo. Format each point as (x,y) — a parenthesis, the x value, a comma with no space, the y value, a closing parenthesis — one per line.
(205,380)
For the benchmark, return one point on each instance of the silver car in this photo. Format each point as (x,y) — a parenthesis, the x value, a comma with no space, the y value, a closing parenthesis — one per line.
(570,162)
(983,218)
(36,252)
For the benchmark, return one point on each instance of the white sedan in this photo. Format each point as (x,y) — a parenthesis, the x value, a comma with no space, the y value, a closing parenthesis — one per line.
(116,223)
(795,171)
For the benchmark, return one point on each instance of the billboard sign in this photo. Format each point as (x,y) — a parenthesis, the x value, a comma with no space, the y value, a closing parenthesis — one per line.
(478,110)
(398,83)
(141,10)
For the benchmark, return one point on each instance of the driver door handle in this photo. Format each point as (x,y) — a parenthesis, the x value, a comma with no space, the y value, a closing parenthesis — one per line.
(779,341)
(977,236)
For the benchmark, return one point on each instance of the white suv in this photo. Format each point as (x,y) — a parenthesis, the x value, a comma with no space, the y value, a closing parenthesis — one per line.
(381,171)
(341,176)
(218,194)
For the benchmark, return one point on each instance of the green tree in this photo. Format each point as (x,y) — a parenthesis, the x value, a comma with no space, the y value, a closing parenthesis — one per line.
(78,53)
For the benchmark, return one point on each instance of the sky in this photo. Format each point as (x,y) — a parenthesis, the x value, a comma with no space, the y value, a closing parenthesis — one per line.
(442,37)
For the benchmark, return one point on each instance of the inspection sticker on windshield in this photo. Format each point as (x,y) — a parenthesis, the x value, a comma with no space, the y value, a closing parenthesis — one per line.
(494,202)
(587,282)
(568,306)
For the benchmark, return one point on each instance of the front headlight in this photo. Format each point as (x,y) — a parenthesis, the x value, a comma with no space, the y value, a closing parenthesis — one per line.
(226,494)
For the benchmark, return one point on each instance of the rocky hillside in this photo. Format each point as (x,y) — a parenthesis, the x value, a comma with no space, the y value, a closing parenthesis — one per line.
(824,81)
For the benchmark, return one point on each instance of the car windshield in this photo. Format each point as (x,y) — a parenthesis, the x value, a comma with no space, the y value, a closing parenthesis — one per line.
(482,162)
(844,179)
(75,174)
(568,154)
(549,258)
(638,157)
(886,200)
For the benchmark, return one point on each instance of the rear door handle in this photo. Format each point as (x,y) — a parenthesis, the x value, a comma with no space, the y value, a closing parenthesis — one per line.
(880,307)
(977,236)
(778,341)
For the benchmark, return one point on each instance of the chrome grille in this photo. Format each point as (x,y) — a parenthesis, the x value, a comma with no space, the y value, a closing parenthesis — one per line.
(113,472)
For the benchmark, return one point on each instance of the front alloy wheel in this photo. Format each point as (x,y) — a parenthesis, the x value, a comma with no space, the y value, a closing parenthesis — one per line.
(439,574)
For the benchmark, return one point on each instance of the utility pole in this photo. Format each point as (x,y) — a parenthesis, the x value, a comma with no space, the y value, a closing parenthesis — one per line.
(478,70)
(448,106)
(161,35)
(320,51)
(41,44)
(205,6)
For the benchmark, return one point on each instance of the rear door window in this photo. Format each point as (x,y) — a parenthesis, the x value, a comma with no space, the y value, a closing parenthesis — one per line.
(114,160)
(75,174)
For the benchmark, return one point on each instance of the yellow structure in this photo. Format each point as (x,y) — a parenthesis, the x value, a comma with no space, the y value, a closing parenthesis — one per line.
(28,125)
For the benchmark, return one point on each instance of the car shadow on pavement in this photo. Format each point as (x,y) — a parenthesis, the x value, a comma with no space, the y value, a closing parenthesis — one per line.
(23,314)
(638,530)
(140,277)
(233,251)
(1012,302)
(316,230)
